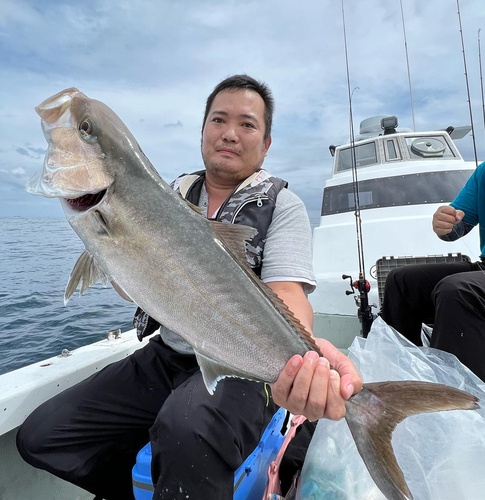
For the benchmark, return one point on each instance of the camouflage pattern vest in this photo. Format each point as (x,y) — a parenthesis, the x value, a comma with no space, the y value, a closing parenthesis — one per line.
(252,203)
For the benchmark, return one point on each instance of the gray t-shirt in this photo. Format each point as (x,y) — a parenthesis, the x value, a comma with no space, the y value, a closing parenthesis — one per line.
(287,252)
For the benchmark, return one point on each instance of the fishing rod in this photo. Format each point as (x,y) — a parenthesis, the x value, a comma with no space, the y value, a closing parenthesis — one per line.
(467,86)
(407,62)
(362,285)
(481,78)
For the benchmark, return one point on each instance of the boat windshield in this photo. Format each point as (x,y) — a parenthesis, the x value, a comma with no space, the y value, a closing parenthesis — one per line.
(365,154)
(418,148)
(401,190)
(428,147)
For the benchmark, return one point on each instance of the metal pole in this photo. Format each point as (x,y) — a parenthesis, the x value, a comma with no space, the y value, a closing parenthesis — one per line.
(407,62)
(481,77)
(467,86)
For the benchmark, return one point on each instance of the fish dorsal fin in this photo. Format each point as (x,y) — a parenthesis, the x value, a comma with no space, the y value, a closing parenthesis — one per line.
(386,404)
(234,236)
(86,272)
(195,208)
(213,371)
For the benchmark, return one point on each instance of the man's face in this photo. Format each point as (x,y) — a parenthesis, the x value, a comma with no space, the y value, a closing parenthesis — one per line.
(233,145)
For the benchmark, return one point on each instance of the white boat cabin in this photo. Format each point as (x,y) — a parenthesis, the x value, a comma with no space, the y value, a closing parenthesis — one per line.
(403,177)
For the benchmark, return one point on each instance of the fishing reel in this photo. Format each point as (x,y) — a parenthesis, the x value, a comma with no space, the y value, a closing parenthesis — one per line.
(359,285)
(362,287)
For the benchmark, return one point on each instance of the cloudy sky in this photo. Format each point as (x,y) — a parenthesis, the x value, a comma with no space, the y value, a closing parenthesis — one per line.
(155,62)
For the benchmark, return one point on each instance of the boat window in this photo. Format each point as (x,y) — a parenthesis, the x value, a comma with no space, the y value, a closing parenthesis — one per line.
(365,198)
(365,154)
(412,189)
(428,147)
(391,150)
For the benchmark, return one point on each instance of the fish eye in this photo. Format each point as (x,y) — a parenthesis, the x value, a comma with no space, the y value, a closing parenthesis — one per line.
(86,127)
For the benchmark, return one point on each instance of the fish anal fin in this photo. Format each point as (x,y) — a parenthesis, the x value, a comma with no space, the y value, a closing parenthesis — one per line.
(86,272)
(234,236)
(213,371)
(373,413)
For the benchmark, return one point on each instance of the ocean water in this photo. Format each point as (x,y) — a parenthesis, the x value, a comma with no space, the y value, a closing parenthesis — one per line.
(36,259)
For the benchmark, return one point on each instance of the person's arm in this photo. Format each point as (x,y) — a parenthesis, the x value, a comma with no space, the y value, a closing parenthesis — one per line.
(307,385)
(292,294)
(457,219)
(448,223)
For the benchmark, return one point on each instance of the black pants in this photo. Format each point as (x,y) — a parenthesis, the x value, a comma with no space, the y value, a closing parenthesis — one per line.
(451,297)
(90,434)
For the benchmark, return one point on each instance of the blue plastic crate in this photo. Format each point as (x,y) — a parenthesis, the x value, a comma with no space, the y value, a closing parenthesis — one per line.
(249,480)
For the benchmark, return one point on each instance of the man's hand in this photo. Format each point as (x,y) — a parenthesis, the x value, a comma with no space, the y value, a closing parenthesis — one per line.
(307,386)
(445,218)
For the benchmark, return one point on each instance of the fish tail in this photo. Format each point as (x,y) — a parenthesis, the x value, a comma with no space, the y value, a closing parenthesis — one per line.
(374,412)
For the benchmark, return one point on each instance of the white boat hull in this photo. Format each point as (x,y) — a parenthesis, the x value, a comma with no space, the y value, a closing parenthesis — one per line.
(23,390)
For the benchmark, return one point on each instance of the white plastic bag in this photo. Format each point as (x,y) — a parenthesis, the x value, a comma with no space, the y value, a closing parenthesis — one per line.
(442,455)
(426,333)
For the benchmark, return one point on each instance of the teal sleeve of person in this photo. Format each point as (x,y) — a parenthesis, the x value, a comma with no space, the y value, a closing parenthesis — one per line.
(467,198)
(471,199)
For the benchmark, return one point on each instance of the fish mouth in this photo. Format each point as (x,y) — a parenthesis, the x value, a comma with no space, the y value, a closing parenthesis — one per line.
(73,168)
(85,202)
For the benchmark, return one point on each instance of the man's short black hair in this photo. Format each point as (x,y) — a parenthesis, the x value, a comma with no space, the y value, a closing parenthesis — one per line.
(242,82)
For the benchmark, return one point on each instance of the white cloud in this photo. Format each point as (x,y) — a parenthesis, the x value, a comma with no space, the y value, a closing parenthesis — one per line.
(154,63)
(19,171)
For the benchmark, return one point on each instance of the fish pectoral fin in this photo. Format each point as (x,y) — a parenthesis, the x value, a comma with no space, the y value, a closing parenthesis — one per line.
(374,412)
(213,371)
(85,272)
(234,236)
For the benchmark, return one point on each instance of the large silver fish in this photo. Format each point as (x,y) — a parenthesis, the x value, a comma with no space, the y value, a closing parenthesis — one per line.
(191,274)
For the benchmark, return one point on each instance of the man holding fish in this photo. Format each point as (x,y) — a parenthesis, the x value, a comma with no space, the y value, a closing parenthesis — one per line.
(90,434)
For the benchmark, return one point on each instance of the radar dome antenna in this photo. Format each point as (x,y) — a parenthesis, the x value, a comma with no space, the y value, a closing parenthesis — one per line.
(467,86)
(407,62)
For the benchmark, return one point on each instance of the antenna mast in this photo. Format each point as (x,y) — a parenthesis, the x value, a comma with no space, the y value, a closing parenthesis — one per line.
(407,62)
(358,221)
(481,78)
(467,86)
(365,314)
